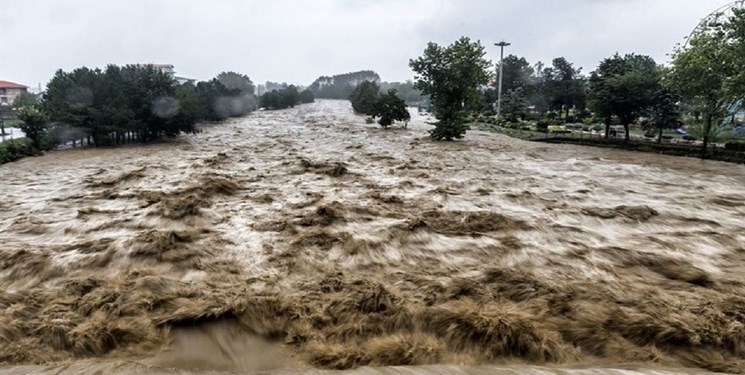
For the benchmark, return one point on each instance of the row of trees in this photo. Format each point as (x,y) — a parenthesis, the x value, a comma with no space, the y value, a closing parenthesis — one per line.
(341,86)
(705,79)
(138,103)
(388,107)
(130,103)
(286,97)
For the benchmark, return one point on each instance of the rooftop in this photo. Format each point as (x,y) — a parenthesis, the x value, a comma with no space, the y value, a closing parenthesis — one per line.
(11,85)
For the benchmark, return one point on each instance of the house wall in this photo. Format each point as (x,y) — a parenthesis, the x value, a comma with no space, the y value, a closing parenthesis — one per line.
(8,95)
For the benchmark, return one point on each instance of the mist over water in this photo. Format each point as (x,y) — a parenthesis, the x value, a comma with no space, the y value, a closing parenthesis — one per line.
(300,240)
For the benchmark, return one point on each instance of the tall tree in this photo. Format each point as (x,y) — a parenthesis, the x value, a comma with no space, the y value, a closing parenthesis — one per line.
(364,96)
(702,73)
(735,29)
(451,76)
(664,111)
(517,73)
(233,80)
(625,87)
(562,86)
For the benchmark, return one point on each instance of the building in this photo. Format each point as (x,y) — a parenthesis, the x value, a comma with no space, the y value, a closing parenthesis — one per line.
(168,69)
(9,91)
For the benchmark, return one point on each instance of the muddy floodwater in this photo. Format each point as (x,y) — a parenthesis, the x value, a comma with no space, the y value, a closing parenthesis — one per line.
(305,240)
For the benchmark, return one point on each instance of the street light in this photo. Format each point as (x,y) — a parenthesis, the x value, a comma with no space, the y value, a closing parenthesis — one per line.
(501,46)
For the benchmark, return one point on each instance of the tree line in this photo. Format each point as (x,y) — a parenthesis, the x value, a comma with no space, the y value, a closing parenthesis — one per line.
(138,103)
(285,97)
(703,82)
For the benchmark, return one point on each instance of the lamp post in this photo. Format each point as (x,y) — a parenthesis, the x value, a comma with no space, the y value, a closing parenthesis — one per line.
(501,45)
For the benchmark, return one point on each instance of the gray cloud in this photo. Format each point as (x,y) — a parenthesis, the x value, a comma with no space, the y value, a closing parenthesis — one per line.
(296,41)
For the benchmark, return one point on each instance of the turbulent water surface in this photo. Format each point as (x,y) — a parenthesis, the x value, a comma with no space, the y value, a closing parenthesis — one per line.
(304,240)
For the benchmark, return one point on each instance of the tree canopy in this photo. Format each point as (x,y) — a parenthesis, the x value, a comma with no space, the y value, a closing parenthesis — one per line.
(389,107)
(135,102)
(341,86)
(237,81)
(702,73)
(287,97)
(364,96)
(451,76)
(624,86)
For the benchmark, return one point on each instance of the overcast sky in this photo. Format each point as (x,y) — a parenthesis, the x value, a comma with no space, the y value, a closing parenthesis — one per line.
(296,41)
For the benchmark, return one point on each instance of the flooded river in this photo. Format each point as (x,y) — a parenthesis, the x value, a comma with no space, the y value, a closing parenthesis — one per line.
(304,240)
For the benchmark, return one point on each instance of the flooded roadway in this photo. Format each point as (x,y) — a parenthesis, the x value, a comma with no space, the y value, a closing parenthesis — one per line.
(306,239)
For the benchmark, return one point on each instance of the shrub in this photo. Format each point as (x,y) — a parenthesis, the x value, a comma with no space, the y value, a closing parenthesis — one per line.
(735,146)
(541,126)
(15,149)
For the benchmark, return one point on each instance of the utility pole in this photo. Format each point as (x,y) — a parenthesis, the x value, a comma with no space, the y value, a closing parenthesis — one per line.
(501,45)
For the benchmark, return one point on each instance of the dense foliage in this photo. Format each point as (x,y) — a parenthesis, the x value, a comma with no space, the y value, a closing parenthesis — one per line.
(451,76)
(287,97)
(306,96)
(34,125)
(625,87)
(364,96)
(14,149)
(702,73)
(141,103)
(25,99)
(341,86)
(390,107)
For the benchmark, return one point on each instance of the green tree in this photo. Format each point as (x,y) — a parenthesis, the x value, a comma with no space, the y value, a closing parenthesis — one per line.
(664,111)
(279,99)
(306,96)
(389,107)
(515,104)
(702,73)
(34,124)
(451,76)
(517,74)
(237,81)
(625,87)
(561,87)
(364,96)
(735,34)
(25,99)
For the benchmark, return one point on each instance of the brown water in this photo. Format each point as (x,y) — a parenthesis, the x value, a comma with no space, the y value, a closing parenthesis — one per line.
(301,240)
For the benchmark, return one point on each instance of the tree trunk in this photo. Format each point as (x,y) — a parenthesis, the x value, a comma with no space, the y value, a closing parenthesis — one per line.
(659,136)
(607,127)
(707,130)
(626,128)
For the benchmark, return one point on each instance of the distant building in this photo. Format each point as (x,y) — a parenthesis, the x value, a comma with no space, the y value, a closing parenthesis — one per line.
(9,91)
(168,69)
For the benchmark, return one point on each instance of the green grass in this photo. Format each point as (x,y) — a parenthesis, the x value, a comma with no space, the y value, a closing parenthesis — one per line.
(12,122)
(515,133)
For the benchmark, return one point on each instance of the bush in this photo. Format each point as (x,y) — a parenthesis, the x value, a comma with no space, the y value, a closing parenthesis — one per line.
(287,97)
(15,149)
(541,126)
(738,146)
